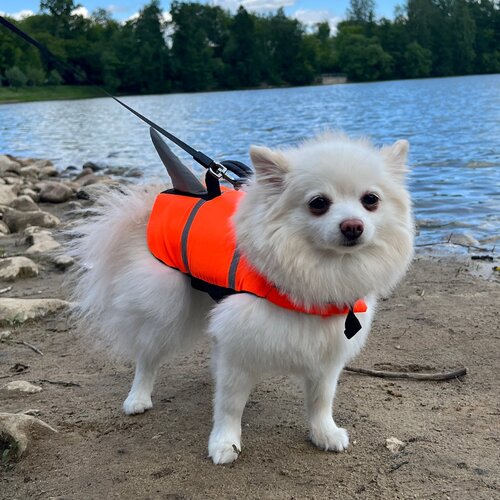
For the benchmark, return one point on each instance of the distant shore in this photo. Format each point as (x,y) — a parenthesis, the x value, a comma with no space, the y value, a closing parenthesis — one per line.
(48,93)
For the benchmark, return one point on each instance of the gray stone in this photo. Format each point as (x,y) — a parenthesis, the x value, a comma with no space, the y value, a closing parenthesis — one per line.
(22,386)
(30,171)
(464,239)
(92,166)
(16,311)
(49,171)
(394,445)
(40,241)
(12,268)
(20,430)
(5,334)
(17,220)
(55,192)
(84,173)
(4,229)
(7,194)
(134,172)
(8,164)
(29,192)
(24,203)
(12,180)
(62,262)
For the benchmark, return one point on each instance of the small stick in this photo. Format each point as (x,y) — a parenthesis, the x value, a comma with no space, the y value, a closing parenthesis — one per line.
(459,372)
(482,249)
(4,290)
(60,382)
(32,347)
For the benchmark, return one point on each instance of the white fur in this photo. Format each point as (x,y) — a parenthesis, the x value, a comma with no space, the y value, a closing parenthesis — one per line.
(147,311)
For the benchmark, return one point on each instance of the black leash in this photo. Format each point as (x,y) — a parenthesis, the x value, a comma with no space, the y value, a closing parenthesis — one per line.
(218,170)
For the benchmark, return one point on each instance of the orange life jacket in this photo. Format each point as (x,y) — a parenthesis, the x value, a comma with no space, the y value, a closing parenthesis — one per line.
(196,237)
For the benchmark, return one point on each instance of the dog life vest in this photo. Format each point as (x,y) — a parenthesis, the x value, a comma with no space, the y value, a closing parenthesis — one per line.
(196,236)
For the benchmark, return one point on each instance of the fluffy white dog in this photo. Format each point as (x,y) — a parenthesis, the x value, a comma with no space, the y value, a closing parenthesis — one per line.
(326,222)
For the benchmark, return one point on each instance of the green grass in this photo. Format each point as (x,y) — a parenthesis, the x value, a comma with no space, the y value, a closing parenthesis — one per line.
(48,93)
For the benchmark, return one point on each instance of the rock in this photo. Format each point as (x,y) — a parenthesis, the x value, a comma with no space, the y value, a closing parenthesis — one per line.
(30,171)
(84,173)
(29,192)
(134,172)
(92,166)
(74,205)
(22,386)
(55,192)
(19,429)
(7,194)
(115,171)
(12,268)
(5,334)
(15,311)
(94,191)
(17,220)
(7,164)
(62,262)
(463,239)
(93,179)
(394,445)
(12,180)
(4,229)
(49,171)
(24,203)
(41,241)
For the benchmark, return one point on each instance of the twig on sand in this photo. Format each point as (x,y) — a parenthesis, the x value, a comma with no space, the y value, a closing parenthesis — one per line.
(32,347)
(60,382)
(459,372)
(475,247)
(5,290)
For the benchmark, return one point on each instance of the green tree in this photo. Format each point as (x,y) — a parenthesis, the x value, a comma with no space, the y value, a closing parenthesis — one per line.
(360,57)
(417,61)
(16,77)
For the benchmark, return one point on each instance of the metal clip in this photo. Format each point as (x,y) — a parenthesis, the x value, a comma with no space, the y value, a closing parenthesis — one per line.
(221,172)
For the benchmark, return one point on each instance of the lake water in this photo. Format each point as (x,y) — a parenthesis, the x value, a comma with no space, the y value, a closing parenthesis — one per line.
(453,125)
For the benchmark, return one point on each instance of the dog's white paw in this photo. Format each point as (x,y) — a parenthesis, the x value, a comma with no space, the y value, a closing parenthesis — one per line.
(330,438)
(223,452)
(133,404)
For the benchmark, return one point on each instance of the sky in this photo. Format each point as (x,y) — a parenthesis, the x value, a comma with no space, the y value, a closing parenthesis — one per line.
(308,11)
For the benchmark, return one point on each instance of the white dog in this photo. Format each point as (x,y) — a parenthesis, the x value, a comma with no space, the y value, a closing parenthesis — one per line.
(326,222)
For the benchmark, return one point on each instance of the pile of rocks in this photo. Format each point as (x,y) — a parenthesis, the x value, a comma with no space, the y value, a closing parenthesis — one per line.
(32,192)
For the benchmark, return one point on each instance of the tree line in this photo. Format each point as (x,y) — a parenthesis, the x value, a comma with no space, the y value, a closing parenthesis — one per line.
(204,47)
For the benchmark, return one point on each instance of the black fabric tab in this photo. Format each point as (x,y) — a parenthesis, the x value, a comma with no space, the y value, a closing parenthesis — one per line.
(216,292)
(352,324)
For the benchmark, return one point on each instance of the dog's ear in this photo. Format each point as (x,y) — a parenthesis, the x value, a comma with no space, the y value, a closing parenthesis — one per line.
(397,156)
(270,166)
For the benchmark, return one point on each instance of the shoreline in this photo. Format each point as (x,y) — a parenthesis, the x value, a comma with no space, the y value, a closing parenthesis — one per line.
(441,317)
(70,92)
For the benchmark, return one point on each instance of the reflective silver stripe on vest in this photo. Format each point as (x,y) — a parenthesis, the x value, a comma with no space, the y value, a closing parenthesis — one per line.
(231,278)
(185,233)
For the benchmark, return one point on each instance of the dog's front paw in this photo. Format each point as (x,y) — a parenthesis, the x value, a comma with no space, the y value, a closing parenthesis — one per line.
(330,438)
(133,405)
(223,452)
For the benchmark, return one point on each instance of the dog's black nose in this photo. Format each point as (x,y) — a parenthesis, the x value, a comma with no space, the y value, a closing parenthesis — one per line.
(352,228)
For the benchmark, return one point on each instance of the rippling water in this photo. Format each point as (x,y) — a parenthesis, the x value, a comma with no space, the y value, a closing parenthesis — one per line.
(452,124)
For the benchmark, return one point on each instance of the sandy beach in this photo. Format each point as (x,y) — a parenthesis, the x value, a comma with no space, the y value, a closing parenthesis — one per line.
(443,316)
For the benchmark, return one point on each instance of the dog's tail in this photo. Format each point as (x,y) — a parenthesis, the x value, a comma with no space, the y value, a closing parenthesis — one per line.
(104,242)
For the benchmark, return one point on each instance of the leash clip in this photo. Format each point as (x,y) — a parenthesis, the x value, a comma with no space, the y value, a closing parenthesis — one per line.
(219,171)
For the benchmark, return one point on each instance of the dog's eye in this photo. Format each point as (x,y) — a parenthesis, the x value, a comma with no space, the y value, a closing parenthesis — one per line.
(370,201)
(319,205)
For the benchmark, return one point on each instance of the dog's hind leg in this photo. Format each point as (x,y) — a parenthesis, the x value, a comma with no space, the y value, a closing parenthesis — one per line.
(139,397)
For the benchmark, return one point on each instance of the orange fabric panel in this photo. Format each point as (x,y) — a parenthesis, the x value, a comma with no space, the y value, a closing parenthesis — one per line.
(211,241)
(168,217)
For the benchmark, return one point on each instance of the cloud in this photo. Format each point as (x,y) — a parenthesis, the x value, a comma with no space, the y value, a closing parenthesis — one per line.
(166,17)
(81,11)
(253,5)
(18,16)
(311,17)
